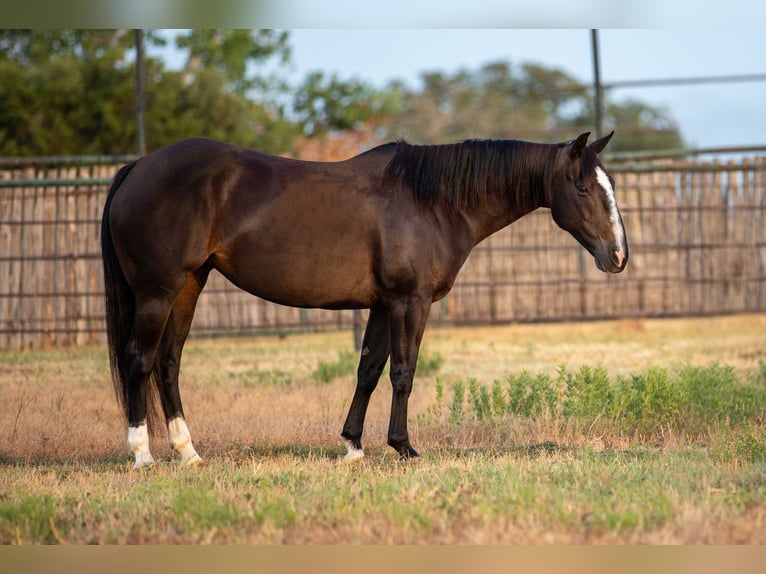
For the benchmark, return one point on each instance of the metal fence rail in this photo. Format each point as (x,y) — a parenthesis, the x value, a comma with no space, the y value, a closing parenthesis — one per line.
(696,228)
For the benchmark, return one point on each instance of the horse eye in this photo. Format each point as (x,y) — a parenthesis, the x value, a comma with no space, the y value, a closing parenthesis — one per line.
(581,189)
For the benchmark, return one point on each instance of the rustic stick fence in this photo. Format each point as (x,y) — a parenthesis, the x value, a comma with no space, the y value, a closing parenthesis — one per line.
(697,234)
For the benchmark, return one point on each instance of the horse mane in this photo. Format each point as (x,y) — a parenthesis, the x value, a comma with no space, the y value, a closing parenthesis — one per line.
(465,174)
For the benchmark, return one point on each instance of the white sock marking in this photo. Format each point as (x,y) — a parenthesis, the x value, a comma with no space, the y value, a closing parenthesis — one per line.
(138,446)
(614,214)
(353,454)
(180,440)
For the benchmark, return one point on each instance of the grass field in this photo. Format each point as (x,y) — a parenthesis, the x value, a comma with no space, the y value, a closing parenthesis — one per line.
(640,431)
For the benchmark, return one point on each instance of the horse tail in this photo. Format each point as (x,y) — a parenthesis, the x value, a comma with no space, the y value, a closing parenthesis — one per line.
(120,301)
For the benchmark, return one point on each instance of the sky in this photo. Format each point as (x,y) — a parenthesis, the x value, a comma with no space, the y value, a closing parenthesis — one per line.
(709,115)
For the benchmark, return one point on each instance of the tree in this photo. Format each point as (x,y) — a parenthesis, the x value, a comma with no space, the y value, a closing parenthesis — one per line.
(234,53)
(37,47)
(326,103)
(642,127)
(65,92)
(178,109)
(73,92)
(528,101)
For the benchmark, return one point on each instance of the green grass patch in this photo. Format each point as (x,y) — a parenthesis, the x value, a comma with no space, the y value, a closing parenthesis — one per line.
(344,365)
(500,495)
(30,520)
(197,508)
(745,445)
(256,377)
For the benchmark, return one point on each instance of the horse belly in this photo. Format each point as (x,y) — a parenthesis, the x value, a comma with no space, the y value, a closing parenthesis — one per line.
(330,278)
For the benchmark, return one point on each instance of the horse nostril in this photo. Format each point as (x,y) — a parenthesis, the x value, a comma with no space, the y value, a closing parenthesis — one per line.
(617,256)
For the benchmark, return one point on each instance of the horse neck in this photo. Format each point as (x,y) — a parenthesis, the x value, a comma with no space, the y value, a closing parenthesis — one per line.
(527,188)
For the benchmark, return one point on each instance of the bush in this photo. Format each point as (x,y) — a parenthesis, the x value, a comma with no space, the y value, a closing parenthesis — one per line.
(688,400)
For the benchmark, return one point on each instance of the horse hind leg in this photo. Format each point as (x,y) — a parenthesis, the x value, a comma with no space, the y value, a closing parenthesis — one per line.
(169,362)
(149,322)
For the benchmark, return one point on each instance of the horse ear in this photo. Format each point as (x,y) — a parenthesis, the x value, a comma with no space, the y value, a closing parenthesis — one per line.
(578,145)
(599,145)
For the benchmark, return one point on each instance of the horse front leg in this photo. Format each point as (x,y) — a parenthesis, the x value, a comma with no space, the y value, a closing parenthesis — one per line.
(407,321)
(371,364)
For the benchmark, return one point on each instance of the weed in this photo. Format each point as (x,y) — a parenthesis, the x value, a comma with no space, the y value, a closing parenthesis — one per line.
(480,400)
(456,407)
(433,412)
(588,393)
(499,406)
(531,395)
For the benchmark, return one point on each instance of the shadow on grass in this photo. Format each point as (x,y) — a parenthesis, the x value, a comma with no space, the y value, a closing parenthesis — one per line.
(306,452)
(101,462)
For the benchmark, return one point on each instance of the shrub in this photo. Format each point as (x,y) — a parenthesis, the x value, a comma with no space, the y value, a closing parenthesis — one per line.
(689,400)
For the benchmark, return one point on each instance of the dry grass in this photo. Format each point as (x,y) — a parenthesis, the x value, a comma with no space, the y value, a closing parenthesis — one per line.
(270,434)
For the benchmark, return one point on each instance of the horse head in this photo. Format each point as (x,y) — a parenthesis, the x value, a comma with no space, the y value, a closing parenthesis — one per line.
(583,203)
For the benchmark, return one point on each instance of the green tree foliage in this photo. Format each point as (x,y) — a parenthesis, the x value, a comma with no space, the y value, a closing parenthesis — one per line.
(325,103)
(73,92)
(65,92)
(528,101)
(232,53)
(642,126)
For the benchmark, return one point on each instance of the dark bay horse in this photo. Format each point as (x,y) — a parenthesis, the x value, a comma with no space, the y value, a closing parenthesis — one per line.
(386,230)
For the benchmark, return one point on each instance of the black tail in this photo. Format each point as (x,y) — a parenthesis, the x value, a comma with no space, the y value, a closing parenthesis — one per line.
(120,306)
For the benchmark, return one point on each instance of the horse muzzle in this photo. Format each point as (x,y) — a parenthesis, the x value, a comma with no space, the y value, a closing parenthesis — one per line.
(611,259)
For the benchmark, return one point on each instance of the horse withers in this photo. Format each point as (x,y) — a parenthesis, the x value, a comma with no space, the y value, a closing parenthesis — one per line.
(387,230)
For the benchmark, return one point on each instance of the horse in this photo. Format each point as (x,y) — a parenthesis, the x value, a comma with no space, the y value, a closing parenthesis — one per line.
(387,230)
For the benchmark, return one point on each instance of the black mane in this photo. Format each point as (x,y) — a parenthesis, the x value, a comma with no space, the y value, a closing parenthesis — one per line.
(464,174)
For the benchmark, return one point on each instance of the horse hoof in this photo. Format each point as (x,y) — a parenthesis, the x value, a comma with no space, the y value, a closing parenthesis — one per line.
(406,452)
(353,454)
(193,460)
(143,463)
(354,457)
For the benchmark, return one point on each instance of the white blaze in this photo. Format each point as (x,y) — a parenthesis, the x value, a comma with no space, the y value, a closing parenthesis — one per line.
(614,215)
(138,446)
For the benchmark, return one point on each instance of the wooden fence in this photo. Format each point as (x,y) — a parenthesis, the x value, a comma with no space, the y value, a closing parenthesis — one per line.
(696,230)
